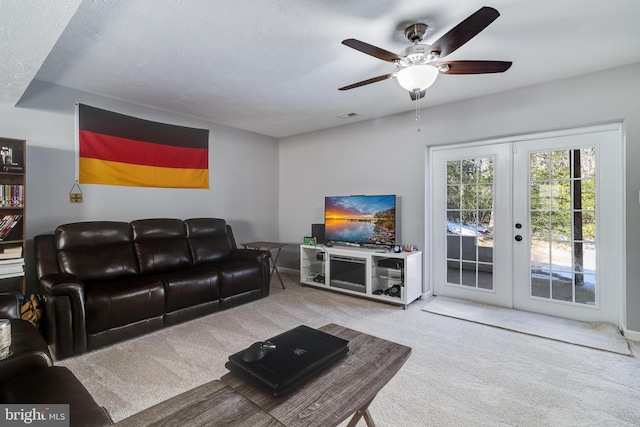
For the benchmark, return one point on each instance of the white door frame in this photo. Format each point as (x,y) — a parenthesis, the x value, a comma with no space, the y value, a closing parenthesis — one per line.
(429,202)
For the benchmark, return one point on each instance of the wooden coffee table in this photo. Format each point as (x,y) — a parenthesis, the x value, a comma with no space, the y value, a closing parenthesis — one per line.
(211,404)
(346,388)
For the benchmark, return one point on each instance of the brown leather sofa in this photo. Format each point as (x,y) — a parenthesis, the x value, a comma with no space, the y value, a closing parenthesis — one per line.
(107,281)
(29,379)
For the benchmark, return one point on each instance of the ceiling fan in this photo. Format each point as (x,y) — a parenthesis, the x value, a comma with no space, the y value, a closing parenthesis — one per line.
(419,64)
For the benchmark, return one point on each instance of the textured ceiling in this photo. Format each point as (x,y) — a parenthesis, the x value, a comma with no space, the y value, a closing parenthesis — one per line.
(274,66)
(28,31)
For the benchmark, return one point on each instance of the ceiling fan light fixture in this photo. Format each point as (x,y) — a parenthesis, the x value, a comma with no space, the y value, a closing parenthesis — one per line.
(417,77)
(433,55)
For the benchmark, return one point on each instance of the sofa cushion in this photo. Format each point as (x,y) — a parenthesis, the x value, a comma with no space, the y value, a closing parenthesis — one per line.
(160,245)
(191,287)
(96,250)
(115,304)
(208,239)
(238,276)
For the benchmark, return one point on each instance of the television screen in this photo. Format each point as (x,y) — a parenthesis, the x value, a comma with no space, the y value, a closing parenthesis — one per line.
(365,220)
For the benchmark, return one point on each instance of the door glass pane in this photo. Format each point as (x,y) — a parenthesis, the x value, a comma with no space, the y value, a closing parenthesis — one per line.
(469,196)
(540,273)
(453,197)
(560,194)
(453,173)
(588,163)
(563,225)
(588,192)
(470,199)
(560,165)
(453,272)
(468,171)
(540,196)
(485,196)
(539,224)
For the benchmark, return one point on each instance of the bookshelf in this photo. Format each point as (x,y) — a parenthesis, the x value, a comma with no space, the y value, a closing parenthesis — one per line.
(12,218)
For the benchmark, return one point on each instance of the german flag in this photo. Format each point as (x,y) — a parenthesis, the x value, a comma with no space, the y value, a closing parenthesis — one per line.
(115,149)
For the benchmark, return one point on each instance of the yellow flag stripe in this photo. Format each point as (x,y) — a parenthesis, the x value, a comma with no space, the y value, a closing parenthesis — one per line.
(95,171)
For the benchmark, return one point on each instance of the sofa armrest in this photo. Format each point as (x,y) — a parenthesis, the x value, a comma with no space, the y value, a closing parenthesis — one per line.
(65,314)
(29,351)
(55,385)
(263,258)
(254,254)
(45,254)
(9,306)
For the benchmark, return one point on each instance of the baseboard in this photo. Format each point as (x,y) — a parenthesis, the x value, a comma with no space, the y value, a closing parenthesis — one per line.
(631,335)
(289,271)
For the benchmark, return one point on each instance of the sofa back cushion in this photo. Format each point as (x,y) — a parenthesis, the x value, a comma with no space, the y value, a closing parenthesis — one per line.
(96,250)
(208,239)
(160,245)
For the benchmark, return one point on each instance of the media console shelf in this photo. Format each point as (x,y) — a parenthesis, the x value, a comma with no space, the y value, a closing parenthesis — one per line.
(384,276)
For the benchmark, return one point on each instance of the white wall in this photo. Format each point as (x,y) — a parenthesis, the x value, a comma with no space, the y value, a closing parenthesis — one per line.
(388,155)
(243,172)
(268,194)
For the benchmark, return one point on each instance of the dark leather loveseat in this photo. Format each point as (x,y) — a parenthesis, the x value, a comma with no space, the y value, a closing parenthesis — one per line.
(29,380)
(107,281)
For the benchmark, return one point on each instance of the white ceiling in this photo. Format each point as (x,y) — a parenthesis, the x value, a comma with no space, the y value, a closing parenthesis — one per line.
(274,66)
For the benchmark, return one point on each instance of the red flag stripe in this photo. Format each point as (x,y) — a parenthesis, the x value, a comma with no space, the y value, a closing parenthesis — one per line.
(112,148)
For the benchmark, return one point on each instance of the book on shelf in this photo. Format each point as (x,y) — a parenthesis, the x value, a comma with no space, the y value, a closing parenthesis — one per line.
(12,195)
(11,274)
(11,252)
(8,224)
(11,267)
(14,167)
(10,262)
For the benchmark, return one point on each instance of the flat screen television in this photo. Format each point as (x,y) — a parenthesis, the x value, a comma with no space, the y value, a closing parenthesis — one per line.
(363,220)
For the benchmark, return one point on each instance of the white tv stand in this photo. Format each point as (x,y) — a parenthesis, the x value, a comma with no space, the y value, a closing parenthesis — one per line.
(371,273)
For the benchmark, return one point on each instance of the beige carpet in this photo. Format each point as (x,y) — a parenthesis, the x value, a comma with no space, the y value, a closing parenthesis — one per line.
(600,336)
(459,373)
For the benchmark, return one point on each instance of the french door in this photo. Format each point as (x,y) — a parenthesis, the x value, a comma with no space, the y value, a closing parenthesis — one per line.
(533,223)
(472,198)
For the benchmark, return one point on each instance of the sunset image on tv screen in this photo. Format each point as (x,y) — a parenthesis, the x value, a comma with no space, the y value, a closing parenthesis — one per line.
(361,219)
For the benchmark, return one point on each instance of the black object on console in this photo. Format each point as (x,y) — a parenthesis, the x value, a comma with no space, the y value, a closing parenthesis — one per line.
(317,231)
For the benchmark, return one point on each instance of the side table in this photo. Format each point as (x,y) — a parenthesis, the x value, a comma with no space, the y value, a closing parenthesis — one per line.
(269,246)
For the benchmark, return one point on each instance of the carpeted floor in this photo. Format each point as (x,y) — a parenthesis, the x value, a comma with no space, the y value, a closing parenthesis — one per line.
(597,335)
(459,374)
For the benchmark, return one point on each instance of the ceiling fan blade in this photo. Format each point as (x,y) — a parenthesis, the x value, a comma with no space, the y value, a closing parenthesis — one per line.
(369,81)
(465,31)
(417,95)
(372,50)
(474,67)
